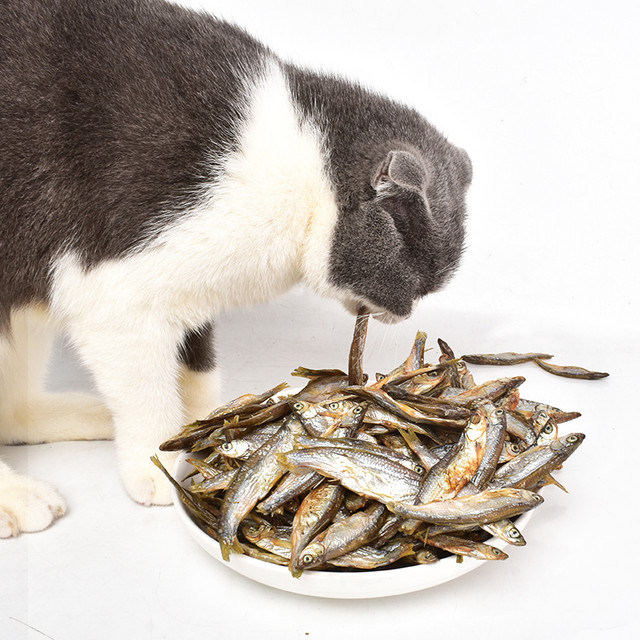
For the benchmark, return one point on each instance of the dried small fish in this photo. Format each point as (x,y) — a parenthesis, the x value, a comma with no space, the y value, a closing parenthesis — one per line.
(315,512)
(276,540)
(445,479)
(491,390)
(361,476)
(218,483)
(252,483)
(325,418)
(368,557)
(520,429)
(495,439)
(373,475)
(341,537)
(490,505)
(357,443)
(289,487)
(506,358)
(527,408)
(464,547)
(356,354)
(461,377)
(534,464)
(570,372)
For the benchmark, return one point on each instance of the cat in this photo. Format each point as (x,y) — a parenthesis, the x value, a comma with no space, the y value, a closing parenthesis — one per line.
(159,165)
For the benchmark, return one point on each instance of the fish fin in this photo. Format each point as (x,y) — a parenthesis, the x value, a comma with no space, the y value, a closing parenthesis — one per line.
(409,436)
(226,424)
(283,461)
(237,547)
(278,388)
(551,480)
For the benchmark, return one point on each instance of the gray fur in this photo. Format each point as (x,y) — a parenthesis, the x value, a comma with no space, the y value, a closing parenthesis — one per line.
(392,246)
(114,115)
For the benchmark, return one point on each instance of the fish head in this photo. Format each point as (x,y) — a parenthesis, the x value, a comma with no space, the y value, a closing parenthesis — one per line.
(493,553)
(511,450)
(426,382)
(570,441)
(513,534)
(476,428)
(233,449)
(548,433)
(344,413)
(302,408)
(424,556)
(311,556)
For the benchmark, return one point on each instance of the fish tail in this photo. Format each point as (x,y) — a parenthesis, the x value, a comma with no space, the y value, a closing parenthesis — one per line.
(295,571)
(225,549)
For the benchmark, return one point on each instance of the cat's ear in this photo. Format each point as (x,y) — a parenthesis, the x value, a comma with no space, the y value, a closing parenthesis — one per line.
(402,169)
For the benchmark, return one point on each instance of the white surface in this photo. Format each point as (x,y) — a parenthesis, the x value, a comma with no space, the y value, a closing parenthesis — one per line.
(544,96)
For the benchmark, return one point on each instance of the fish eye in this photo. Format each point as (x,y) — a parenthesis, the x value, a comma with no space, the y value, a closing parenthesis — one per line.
(379,377)
(495,551)
(307,558)
(418,468)
(357,410)
(298,406)
(499,412)
(514,533)
(334,406)
(537,498)
(227,446)
(433,374)
(460,365)
(515,447)
(548,428)
(571,439)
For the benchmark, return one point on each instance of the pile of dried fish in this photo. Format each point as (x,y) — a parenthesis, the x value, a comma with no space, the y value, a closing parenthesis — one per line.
(420,464)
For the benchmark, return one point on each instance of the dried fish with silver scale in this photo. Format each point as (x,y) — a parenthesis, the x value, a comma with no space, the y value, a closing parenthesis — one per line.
(348,476)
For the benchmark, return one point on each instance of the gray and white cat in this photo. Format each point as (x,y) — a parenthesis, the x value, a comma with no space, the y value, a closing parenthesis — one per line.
(158,165)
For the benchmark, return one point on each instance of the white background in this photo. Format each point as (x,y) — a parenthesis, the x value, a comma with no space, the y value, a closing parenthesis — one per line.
(544,96)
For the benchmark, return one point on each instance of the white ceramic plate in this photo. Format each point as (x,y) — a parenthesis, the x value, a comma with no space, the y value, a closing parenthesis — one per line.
(328,584)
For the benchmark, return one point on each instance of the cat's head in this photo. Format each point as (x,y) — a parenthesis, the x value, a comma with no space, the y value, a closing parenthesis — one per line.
(403,237)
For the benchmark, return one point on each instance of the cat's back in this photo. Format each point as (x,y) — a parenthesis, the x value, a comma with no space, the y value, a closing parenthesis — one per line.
(112,114)
(110,80)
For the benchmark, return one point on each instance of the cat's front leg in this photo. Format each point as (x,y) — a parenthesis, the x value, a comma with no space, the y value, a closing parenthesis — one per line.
(199,383)
(135,363)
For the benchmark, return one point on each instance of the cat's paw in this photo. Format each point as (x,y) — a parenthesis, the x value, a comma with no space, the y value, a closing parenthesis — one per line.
(27,505)
(144,482)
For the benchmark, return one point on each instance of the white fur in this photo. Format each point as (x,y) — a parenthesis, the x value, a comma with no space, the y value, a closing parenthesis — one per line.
(266,224)
(26,504)
(199,393)
(27,413)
